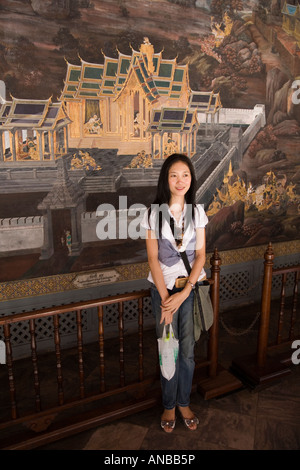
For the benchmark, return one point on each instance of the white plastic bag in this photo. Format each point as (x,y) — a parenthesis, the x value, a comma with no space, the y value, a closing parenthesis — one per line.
(168,352)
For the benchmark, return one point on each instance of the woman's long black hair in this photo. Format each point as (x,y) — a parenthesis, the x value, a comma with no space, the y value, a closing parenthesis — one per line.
(163,193)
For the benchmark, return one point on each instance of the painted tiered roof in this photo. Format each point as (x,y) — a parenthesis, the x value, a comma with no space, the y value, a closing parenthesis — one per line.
(55,117)
(4,110)
(205,101)
(32,114)
(173,120)
(157,77)
(291,10)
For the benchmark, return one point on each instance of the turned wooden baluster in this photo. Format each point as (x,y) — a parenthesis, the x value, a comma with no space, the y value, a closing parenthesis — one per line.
(121,341)
(11,380)
(294,308)
(281,310)
(80,353)
(140,333)
(101,348)
(35,365)
(265,307)
(58,360)
(215,262)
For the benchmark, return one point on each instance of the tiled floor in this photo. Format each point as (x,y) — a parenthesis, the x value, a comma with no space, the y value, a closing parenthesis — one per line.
(266,419)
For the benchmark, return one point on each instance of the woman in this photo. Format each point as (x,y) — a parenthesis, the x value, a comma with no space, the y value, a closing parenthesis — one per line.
(175,199)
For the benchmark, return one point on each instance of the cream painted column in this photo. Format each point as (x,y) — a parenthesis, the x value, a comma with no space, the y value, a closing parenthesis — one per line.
(54,143)
(82,104)
(127,126)
(40,145)
(13,143)
(51,145)
(2,150)
(152,145)
(65,139)
(142,117)
(131,116)
(43,144)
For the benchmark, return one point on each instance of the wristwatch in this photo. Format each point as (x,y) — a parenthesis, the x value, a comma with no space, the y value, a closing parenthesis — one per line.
(193,285)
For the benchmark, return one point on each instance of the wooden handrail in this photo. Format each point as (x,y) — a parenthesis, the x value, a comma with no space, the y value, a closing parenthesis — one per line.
(269,273)
(46,420)
(213,344)
(270,361)
(284,273)
(45,312)
(265,307)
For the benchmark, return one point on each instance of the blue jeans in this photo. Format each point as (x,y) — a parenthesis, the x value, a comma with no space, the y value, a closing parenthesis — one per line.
(177,391)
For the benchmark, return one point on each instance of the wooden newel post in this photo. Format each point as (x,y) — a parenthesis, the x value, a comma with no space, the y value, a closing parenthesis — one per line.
(265,307)
(215,262)
(219,381)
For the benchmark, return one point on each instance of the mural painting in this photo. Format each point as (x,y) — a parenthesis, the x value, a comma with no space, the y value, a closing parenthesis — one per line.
(102,92)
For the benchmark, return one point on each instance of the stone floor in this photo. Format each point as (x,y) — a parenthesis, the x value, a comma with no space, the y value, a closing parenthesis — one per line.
(244,420)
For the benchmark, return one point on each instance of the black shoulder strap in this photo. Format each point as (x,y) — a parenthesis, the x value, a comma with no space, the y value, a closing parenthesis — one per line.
(182,253)
(186,261)
(188,268)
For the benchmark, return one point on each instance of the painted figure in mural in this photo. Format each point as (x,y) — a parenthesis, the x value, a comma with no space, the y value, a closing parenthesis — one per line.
(94,125)
(69,241)
(175,200)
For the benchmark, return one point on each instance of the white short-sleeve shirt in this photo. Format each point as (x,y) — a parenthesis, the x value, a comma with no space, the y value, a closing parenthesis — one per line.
(177,269)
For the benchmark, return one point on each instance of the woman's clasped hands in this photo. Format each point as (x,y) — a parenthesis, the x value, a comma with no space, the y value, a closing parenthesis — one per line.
(170,305)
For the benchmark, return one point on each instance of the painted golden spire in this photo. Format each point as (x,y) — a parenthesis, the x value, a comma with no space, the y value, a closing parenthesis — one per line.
(148,49)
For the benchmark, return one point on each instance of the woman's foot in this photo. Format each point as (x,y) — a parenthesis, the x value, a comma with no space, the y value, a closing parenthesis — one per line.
(168,420)
(189,419)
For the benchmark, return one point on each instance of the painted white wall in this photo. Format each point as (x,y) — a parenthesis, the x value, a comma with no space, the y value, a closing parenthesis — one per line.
(2,92)
(21,233)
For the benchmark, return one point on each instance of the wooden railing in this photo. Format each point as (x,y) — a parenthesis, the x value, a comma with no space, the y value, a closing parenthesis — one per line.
(264,344)
(86,409)
(273,358)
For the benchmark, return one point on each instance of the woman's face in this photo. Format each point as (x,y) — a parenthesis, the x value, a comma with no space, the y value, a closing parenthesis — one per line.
(179,179)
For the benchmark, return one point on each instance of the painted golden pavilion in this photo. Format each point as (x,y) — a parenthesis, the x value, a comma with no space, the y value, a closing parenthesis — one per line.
(291,20)
(32,130)
(142,101)
(135,103)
